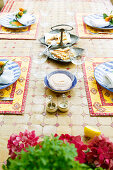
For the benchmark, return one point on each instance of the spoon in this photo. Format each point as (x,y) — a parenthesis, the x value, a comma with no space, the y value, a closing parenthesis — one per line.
(52,43)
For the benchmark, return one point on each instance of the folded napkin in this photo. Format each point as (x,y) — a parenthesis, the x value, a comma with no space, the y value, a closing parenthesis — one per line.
(99,23)
(26,19)
(7,76)
(108,80)
(60,81)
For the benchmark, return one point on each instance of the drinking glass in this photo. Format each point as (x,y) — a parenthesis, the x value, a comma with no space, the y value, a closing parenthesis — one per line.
(78,60)
(38,58)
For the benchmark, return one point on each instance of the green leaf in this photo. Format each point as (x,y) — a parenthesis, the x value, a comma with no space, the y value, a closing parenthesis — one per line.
(25,11)
(105,15)
(18,16)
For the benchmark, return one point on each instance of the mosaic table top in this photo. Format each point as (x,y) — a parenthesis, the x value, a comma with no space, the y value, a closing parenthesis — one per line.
(35,116)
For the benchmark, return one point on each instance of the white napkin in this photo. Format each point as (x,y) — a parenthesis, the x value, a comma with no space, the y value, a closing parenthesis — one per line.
(99,22)
(7,76)
(108,80)
(26,19)
(60,81)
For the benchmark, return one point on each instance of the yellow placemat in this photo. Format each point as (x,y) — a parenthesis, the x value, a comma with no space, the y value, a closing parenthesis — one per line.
(23,33)
(85,31)
(100,100)
(17,90)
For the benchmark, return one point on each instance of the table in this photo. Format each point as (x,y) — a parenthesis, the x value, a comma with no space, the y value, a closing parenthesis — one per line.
(35,116)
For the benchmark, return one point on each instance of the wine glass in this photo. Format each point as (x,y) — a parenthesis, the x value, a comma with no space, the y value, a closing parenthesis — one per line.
(78,60)
(38,58)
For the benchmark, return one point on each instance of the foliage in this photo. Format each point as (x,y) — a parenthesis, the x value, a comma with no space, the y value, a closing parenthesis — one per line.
(81,147)
(53,153)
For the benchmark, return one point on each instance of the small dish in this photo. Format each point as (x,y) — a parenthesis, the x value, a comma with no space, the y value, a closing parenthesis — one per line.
(99,73)
(89,18)
(69,74)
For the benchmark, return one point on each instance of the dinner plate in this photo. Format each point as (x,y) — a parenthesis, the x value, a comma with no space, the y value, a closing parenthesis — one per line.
(89,18)
(99,73)
(73,37)
(77,51)
(14,67)
(69,74)
(9,21)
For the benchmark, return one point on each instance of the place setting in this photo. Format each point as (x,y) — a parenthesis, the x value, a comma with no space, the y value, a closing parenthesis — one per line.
(20,24)
(94,25)
(14,79)
(98,78)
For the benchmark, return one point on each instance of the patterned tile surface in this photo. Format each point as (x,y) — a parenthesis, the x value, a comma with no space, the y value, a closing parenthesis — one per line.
(35,116)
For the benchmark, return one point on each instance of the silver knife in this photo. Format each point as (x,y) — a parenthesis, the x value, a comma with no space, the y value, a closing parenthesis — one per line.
(6,98)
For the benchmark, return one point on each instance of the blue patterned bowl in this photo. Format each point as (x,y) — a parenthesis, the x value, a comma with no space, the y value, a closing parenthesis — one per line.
(69,74)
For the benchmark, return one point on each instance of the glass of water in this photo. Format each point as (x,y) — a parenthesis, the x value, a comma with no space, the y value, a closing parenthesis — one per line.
(78,60)
(39,57)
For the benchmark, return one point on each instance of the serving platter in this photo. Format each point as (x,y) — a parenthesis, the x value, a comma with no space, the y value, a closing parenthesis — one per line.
(10,21)
(76,50)
(14,67)
(69,74)
(89,18)
(100,71)
(73,38)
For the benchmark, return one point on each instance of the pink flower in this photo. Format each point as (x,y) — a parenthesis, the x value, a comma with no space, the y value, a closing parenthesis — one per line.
(81,147)
(18,142)
(101,152)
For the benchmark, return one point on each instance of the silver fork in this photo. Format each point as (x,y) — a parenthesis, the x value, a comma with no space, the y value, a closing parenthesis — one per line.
(6,98)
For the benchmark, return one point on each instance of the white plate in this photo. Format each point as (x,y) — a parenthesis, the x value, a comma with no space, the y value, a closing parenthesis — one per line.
(99,73)
(89,18)
(7,19)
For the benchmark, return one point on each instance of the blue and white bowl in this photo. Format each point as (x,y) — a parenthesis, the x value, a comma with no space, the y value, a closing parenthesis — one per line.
(69,74)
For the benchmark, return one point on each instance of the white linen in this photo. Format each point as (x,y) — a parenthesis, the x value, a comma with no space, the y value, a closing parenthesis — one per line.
(7,76)
(109,79)
(26,19)
(99,23)
(60,81)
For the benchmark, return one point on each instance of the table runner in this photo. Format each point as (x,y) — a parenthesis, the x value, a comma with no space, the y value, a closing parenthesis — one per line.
(25,33)
(100,100)
(85,31)
(17,90)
